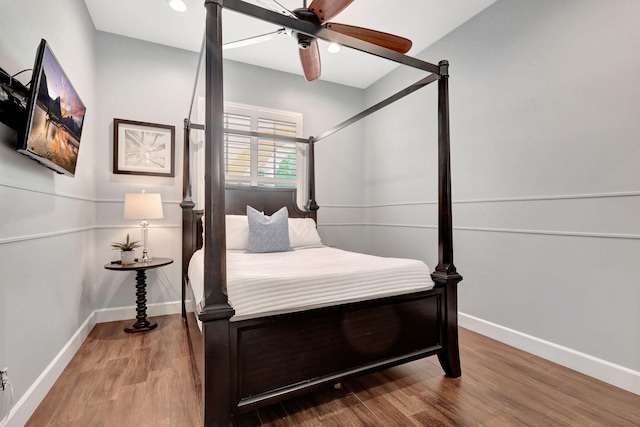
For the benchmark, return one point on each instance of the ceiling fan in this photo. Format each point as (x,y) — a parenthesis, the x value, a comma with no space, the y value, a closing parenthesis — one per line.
(319,13)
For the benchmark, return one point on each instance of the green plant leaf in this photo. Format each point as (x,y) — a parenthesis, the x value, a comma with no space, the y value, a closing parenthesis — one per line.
(127,245)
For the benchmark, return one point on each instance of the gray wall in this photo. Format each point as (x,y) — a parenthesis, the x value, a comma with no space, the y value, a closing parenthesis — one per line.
(46,220)
(145,82)
(544,128)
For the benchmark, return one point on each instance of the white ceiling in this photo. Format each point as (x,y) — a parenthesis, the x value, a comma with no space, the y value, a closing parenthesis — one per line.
(422,21)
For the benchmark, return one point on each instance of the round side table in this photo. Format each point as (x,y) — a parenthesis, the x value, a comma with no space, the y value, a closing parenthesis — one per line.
(141,324)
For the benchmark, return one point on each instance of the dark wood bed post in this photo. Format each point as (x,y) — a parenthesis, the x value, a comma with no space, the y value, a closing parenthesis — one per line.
(187,205)
(445,274)
(313,205)
(215,311)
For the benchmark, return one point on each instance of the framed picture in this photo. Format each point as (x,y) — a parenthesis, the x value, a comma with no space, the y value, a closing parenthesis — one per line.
(141,148)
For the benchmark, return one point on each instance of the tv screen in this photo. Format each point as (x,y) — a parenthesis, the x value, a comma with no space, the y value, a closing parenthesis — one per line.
(55,115)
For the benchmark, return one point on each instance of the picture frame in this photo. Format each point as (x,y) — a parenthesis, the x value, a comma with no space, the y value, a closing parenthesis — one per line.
(141,148)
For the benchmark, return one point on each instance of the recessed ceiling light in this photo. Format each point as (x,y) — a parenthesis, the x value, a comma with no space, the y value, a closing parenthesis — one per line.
(178,5)
(333,48)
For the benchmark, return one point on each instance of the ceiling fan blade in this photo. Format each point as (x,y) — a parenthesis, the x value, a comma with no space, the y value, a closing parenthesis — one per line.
(253,40)
(310,59)
(277,7)
(390,41)
(327,9)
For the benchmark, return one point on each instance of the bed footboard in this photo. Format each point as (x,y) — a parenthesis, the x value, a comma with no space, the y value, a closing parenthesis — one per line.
(283,356)
(279,357)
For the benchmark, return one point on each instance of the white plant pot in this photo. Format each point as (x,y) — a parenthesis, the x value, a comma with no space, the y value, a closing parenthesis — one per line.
(128,257)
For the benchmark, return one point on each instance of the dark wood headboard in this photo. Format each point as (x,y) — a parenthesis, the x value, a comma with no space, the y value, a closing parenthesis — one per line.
(264,199)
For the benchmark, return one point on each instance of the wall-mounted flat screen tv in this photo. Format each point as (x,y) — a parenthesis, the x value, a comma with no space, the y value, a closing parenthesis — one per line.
(55,115)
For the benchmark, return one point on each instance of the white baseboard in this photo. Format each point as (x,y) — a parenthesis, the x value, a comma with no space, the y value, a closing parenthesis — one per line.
(123,313)
(602,370)
(28,403)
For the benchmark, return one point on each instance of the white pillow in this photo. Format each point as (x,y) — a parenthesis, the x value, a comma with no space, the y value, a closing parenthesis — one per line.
(237,231)
(303,232)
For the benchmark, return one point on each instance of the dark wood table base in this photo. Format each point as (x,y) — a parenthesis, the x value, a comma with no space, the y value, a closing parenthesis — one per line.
(141,327)
(142,324)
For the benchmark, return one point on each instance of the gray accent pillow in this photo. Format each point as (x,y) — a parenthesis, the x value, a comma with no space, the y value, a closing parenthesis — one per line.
(268,234)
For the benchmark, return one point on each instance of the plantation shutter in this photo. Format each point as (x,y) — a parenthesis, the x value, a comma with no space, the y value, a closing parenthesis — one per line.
(237,149)
(261,161)
(277,160)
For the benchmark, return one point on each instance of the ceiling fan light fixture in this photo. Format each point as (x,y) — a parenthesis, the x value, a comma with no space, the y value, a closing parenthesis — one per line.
(334,47)
(178,5)
(304,41)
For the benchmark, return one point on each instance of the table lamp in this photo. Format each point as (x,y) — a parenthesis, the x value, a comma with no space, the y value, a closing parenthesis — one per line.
(143,206)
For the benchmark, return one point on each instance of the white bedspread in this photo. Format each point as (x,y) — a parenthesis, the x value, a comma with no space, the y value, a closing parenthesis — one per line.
(259,284)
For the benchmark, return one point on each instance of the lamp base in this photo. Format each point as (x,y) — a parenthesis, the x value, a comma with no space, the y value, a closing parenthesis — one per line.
(145,256)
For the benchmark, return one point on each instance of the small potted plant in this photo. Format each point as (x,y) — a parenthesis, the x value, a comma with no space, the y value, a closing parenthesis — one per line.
(127,253)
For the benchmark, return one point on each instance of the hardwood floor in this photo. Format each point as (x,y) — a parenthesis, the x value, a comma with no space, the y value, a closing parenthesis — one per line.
(119,379)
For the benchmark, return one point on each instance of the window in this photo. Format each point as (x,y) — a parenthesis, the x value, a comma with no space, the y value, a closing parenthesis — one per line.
(265,160)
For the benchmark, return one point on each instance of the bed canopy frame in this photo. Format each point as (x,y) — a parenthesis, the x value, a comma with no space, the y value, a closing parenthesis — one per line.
(220,358)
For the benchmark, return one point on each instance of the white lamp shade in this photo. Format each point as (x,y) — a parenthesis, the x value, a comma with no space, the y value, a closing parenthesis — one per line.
(143,206)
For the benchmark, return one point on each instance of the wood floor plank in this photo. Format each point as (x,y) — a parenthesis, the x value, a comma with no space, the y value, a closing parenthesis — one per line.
(273,415)
(334,407)
(119,379)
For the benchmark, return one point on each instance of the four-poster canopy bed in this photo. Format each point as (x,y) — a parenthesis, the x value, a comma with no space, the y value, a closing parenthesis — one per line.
(249,361)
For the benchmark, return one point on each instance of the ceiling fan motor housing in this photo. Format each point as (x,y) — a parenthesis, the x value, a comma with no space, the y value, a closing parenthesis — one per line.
(304,14)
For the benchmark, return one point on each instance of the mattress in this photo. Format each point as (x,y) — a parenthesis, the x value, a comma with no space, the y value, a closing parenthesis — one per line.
(274,283)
